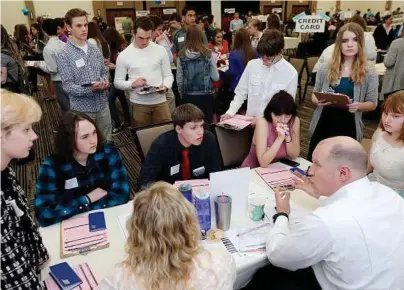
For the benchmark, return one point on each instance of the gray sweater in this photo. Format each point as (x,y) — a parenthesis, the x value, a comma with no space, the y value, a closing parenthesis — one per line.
(394,61)
(362,93)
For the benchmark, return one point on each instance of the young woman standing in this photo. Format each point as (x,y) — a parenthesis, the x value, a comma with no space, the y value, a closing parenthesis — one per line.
(348,74)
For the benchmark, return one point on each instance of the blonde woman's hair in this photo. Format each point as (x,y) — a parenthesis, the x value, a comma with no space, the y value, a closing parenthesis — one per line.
(359,66)
(17,109)
(164,238)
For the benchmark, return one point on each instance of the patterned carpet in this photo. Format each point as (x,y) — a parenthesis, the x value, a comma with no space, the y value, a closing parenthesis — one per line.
(27,173)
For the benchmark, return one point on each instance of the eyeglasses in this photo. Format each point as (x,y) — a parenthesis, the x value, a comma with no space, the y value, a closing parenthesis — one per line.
(307,172)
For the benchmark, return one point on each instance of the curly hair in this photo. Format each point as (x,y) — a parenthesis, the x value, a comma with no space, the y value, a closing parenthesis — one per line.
(359,66)
(164,237)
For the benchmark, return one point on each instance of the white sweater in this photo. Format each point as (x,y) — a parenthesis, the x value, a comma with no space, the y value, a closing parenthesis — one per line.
(151,63)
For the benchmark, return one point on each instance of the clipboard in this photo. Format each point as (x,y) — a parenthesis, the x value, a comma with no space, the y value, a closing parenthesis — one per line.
(335,99)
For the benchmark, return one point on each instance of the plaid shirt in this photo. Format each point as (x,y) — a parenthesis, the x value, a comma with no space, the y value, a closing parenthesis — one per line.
(22,250)
(54,202)
(78,68)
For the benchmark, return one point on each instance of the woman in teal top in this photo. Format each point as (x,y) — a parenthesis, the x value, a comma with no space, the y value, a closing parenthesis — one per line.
(347,74)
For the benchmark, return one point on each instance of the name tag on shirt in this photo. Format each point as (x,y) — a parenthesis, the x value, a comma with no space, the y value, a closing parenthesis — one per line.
(71,183)
(199,171)
(174,170)
(80,63)
(181,39)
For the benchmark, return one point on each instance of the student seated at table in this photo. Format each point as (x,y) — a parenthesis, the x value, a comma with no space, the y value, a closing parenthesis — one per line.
(386,157)
(277,134)
(264,77)
(163,249)
(84,173)
(354,240)
(23,253)
(187,152)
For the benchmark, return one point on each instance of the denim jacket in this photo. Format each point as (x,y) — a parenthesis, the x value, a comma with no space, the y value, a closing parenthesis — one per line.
(195,74)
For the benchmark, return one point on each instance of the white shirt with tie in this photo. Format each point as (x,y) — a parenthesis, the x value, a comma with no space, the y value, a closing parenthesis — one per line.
(355,240)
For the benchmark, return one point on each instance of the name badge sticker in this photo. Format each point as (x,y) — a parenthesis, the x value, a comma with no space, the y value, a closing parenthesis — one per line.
(174,170)
(199,171)
(80,63)
(181,39)
(71,183)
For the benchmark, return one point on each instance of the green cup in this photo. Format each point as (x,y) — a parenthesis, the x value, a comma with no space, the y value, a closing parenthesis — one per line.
(256,204)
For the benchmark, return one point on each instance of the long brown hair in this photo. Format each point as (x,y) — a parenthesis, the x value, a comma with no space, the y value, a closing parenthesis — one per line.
(194,41)
(95,32)
(21,35)
(115,41)
(243,43)
(359,66)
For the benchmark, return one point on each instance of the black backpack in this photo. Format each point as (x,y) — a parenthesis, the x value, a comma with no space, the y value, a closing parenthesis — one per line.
(22,84)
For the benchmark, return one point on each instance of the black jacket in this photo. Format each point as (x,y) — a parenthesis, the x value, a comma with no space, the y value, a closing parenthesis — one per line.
(163,161)
(382,39)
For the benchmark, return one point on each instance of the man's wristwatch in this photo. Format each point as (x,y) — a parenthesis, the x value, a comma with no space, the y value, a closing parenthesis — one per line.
(280,214)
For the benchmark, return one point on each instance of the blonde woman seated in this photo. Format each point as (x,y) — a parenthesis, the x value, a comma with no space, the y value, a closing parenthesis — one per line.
(277,134)
(163,250)
(386,158)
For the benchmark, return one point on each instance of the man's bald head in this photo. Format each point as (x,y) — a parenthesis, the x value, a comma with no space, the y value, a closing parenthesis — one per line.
(346,151)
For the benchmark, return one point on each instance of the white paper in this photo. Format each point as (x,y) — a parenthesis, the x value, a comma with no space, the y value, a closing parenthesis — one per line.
(122,221)
(234,183)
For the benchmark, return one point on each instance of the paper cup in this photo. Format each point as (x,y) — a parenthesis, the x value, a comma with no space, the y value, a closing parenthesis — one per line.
(256,204)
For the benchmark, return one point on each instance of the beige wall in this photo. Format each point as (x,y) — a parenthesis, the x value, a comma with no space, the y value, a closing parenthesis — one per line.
(326,5)
(59,8)
(11,14)
(375,6)
(396,4)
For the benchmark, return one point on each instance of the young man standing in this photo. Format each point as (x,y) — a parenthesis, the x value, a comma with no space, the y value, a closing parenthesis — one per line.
(188,18)
(187,152)
(83,73)
(147,65)
(264,77)
(236,23)
(51,50)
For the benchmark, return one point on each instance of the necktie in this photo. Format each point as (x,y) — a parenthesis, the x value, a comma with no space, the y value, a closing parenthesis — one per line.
(185,170)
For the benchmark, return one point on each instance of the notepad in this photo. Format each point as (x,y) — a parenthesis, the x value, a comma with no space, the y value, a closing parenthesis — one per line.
(64,276)
(237,122)
(276,175)
(85,272)
(77,238)
(196,184)
(31,63)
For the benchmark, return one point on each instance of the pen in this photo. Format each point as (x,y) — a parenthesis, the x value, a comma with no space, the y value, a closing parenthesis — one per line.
(252,229)
(252,250)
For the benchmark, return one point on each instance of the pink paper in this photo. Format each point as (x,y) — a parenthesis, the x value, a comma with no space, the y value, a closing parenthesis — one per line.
(195,183)
(238,121)
(275,167)
(85,272)
(77,235)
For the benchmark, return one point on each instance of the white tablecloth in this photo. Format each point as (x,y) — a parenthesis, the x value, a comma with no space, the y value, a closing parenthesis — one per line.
(103,260)
(291,42)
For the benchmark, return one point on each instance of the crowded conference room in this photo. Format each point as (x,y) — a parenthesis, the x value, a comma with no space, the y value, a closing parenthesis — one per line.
(205,145)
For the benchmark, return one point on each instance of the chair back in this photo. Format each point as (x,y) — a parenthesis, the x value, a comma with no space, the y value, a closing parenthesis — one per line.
(311,62)
(234,145)
(298,64)
(145,136)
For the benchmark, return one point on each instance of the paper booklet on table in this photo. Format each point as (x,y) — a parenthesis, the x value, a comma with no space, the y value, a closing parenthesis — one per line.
(86,274)
(76,238)
(276,175)
(237,122)
(32,62)
(195,183)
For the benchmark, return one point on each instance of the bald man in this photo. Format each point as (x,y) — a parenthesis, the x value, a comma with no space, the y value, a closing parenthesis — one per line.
(354,240)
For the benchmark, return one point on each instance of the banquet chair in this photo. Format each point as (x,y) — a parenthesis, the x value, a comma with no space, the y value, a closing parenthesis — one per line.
(145,136)
(298,64)
(234,145)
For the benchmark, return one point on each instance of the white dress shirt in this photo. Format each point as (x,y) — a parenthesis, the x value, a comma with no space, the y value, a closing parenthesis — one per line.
(355,240)
(370,51)
(260,83)
(50,52)
(151,63)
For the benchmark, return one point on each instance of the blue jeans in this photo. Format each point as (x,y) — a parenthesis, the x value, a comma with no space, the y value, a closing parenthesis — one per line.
(113,94)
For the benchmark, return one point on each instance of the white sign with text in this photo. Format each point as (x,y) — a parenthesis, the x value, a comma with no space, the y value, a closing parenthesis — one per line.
(310,23)
(142,13)
(230,10)
(169,11)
